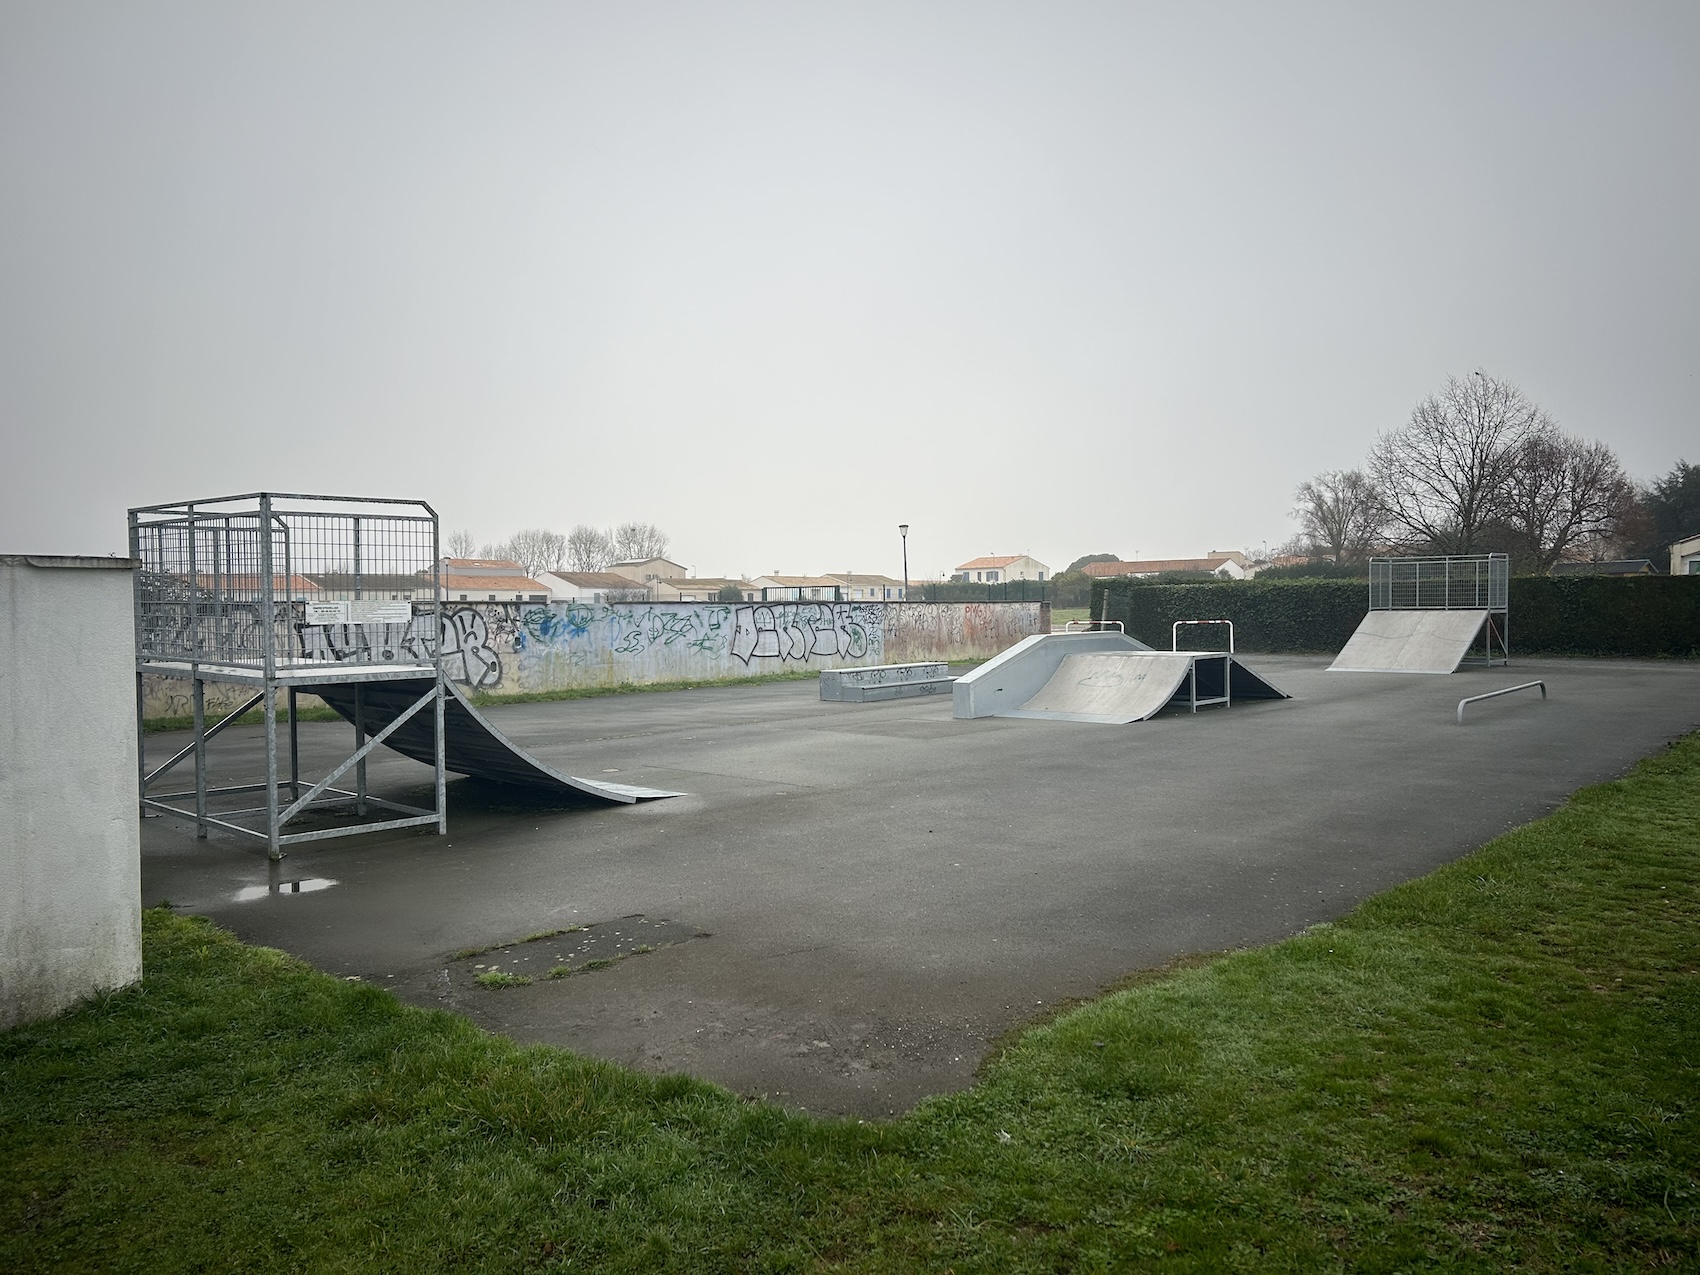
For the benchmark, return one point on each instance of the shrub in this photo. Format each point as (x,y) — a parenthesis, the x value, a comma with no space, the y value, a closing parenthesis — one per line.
(1584,615)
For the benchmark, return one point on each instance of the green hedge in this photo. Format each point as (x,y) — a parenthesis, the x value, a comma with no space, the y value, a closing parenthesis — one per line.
(1587,615)
(1606,615)
(1276,615)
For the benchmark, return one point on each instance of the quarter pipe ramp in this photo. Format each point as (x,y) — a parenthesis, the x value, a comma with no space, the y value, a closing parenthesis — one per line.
(472,744)
(1102,677)
(1116,687)
(1410,642)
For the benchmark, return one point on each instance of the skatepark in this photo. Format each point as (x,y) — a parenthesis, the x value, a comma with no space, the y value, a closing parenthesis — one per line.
(860,899)
(840,892)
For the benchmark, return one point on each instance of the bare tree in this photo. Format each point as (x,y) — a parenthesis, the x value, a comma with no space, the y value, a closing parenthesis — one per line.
(1339,512)
(635,541)
(460,544)
(536,549)
(1563,491)
(1444,475)
(589,549)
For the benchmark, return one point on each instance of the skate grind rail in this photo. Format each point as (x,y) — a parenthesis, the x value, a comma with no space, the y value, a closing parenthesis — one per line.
(1105,678)
(472,745)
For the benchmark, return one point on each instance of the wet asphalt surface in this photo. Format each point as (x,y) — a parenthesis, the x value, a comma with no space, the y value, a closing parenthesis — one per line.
(856,901)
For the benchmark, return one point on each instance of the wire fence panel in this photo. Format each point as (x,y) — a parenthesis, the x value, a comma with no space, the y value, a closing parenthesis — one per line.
(244,580)
(1474,582)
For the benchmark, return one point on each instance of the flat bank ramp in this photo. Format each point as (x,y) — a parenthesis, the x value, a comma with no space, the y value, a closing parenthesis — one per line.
(1410,642)
(473,746)
(1116,687)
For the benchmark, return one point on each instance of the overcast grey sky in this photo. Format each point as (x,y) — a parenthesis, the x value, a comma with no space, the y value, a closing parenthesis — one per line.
(1052,278)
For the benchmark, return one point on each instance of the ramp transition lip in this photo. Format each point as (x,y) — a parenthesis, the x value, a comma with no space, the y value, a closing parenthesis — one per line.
(472,744)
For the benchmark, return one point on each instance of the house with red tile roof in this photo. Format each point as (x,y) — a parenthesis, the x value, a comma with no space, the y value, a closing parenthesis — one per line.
(996,570)
(1229,566)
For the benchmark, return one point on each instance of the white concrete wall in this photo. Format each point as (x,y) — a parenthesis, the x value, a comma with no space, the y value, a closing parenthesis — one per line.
(70,848)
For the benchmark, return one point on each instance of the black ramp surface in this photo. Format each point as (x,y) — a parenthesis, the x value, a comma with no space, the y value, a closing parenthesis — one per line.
(474,746)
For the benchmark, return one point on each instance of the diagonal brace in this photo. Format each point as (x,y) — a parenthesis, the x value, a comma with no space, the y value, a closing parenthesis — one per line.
(354,758)
(205,738)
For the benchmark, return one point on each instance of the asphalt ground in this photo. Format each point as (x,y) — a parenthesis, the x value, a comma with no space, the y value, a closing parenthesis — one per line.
(856,901)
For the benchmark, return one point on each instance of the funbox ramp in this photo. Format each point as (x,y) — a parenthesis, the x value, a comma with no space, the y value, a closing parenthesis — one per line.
(1114,680)
(1410,642)
(472,745)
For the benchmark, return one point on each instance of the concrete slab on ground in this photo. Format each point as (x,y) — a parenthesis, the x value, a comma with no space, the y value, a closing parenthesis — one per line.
(883,890)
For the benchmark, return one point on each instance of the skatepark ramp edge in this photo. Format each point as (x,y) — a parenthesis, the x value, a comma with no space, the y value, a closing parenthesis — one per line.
(1101,677)
(472,744)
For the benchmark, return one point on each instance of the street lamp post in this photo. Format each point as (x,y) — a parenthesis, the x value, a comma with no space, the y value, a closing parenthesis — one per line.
(903,530)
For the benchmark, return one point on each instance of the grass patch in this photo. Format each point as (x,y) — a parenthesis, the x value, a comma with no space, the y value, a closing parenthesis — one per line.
(254,717)
(1495,1067)
(485,699)
(466,953)
(496,978)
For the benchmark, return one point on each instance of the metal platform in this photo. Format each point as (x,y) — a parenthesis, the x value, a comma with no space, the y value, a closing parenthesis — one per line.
(1426,614)
(339,596)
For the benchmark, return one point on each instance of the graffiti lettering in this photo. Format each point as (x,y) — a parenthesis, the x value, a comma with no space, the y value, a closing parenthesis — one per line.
(799,631)
(468,655)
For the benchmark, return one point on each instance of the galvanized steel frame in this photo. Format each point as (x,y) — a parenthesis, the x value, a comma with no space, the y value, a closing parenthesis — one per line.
(1454,582)
(268,516)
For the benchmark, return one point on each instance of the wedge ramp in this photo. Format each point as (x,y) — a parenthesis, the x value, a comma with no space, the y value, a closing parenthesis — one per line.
(472,743)
(1410,642)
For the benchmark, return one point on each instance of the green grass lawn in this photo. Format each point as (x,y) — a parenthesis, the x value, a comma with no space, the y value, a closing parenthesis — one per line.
(1494,1067)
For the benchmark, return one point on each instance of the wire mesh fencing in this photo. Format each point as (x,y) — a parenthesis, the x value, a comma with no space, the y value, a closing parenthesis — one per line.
(251,580)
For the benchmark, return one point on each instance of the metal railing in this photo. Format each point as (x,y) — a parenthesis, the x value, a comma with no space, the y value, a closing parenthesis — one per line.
(266,580)
(1175,632)
(1471,582)
(1476,699)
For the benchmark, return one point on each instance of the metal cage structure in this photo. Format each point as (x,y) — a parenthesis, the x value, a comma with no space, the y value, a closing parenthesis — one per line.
(278,592)
(1460,582)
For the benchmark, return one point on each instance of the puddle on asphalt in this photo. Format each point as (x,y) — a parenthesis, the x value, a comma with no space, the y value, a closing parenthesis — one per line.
(307,885)
(571,953)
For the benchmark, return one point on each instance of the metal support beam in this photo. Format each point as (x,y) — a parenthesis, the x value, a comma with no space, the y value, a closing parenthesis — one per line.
(200,746)
(358,758)
(189,751)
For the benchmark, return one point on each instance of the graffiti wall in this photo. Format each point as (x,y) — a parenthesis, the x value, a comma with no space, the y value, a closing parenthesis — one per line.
(508,648)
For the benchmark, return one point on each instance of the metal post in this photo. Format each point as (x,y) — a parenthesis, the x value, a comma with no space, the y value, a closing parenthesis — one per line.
(141,698)
(442,761)
(357,556)
(141,751)
(268,648)
(294,748)
(359,740)
(442,688)
(200,701)
(903,530)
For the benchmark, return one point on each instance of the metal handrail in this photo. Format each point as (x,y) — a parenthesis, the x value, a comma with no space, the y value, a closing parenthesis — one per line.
(1175,632)
(1471,699)
(1094,626)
